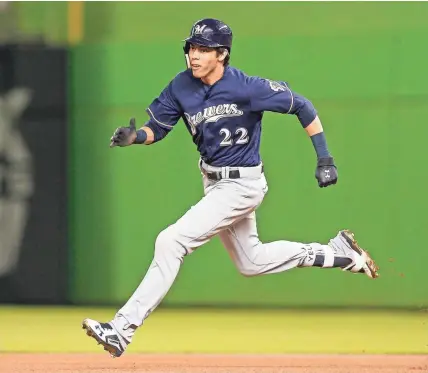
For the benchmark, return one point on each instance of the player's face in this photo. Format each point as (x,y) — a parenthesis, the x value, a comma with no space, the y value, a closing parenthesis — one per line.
(203,60)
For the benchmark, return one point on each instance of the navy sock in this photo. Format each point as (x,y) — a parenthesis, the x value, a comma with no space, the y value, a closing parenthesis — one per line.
(338,261)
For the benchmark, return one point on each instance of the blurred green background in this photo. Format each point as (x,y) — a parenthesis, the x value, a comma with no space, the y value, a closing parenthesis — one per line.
(362,64)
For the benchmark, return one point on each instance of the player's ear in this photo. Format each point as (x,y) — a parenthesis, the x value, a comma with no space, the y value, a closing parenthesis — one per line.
(223,55)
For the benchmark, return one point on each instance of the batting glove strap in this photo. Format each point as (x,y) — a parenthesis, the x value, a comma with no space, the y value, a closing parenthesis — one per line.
(328,161)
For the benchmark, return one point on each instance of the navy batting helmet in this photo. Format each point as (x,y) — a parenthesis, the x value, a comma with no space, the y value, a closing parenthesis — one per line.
(209,32)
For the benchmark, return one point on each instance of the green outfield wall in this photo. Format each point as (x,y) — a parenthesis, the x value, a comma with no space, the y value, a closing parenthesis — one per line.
(363,65)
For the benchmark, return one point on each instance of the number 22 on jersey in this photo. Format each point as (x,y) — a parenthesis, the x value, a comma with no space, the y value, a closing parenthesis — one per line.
(240,137)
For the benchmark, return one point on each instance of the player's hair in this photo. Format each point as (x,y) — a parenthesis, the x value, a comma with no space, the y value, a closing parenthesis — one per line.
(221,51)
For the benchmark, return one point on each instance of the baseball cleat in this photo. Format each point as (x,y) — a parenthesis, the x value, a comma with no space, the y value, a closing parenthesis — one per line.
(105,335)
(361,260)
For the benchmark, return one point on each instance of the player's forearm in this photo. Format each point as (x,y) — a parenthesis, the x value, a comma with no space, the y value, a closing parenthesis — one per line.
(144,136)
(316,133)
(150,134)
(314,127)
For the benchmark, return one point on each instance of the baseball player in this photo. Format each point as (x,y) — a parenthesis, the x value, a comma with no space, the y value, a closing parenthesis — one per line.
(222,108)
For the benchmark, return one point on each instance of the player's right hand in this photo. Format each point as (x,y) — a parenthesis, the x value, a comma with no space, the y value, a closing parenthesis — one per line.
(124,136)
(326,172)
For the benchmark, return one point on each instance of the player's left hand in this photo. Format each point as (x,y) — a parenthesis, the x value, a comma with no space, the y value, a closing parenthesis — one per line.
(124,136)
(326,172)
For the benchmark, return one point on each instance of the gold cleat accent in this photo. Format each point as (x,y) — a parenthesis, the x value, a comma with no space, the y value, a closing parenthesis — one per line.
(371,268)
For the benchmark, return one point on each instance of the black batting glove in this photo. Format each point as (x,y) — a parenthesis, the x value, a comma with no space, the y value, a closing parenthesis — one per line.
(326,172)
(124,136)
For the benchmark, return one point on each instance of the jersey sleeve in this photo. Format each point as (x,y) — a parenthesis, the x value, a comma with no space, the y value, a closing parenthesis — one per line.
(276,96)
(270,95)
(165,111)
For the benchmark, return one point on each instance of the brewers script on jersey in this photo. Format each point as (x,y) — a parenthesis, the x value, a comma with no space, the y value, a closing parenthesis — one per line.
(223,108)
